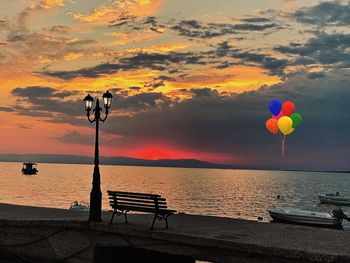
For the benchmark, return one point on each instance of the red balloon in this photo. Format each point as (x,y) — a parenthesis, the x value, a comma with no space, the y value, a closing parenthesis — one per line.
(271,126)
(288,108)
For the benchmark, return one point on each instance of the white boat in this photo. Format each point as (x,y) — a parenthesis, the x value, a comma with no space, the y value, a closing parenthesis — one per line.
(293,215)
(334,199)
(79,206)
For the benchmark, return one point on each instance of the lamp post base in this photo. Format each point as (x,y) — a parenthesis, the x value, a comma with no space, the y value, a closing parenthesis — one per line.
(95,206)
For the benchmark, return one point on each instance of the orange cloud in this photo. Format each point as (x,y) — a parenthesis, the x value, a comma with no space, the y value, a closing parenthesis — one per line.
(135,37)
(162,48)
(48,4)
(107,13)
(72,56)
(233,79)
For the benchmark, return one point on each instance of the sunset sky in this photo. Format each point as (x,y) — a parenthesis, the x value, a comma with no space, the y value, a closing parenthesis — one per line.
(190,79)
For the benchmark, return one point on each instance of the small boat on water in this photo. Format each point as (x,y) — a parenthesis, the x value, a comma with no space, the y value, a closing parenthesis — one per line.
(334,199)
(82,206)
(297,216)
(29,168)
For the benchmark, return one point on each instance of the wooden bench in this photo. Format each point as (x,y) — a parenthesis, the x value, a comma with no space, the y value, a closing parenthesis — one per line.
(123,202)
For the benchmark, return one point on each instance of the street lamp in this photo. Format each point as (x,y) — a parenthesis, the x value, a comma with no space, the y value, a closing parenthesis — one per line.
(96,195)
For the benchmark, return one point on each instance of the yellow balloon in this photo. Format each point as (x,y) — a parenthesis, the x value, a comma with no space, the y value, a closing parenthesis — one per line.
(285,124)
(290,131)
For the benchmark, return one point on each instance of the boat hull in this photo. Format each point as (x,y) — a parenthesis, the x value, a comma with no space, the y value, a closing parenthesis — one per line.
(30,172)
(305,218)
(80,208)
(334,200)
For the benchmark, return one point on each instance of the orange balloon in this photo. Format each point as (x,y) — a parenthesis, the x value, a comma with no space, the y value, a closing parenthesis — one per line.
(272,126)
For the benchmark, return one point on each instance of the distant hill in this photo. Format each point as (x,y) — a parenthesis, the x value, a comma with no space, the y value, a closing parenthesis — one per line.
(186,163)
(80,159)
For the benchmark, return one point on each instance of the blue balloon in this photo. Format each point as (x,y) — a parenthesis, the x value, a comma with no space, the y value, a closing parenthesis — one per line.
(275,107)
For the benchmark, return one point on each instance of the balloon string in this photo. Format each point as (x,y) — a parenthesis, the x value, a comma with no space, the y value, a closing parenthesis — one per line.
(283,142)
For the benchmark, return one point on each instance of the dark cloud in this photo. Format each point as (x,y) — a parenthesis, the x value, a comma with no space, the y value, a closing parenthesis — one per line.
(159,61)
(273,65)
(136,23)
(303,61)
(123,20)
(41,92)
(135,88)
(142,101)
(158,84)
(46,102)
(153,24)
(323,48)
(326,13)
(204,92)
(62,106)
(142,60)
(254,27)
(197,29)
(256,20)
(316,75)
(93,72)
(165,78)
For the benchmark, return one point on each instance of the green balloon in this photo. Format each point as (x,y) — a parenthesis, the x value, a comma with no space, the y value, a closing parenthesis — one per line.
(297,119)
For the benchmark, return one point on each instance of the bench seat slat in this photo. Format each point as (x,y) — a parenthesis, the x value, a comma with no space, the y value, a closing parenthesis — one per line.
(131,193)
(145,209)
(142,201)
(137,204)
(140,205)
(138,197)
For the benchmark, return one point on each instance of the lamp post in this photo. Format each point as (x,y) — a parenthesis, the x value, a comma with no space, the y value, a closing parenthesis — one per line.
(96,195)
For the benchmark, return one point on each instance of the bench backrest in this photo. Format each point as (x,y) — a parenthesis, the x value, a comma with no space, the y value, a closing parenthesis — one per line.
(118,198)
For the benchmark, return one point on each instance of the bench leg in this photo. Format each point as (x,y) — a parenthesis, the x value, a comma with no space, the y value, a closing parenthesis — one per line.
(166,221)
(110,222)
(154,220)
(126,218)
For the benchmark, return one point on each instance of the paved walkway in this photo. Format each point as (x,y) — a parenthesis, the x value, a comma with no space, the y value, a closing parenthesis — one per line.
(306,243)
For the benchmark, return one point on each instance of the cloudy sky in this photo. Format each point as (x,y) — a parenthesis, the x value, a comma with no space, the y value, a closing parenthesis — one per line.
(190,79)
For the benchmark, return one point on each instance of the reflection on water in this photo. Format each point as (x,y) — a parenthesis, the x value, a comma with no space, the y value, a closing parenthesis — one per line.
(232,193)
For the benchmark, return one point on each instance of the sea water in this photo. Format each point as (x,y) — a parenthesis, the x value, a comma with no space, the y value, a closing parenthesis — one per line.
(245,194)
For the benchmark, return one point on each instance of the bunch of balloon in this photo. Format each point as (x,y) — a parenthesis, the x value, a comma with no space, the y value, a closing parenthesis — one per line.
(284,120)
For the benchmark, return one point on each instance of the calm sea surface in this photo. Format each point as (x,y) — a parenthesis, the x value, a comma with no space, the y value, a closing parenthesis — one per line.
(232,193)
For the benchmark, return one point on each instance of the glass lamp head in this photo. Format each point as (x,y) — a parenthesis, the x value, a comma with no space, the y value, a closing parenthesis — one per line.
(88,101)
(107,99)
